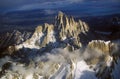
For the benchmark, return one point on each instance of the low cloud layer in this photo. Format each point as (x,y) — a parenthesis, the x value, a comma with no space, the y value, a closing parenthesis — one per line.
(49,61)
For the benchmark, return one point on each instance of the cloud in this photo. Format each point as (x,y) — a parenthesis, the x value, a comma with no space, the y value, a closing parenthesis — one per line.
(87,7)
(49,61)
(33,4)
(49,11)
(4,60)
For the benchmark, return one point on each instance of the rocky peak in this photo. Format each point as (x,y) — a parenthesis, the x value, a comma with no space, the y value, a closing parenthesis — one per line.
(63,21)
(49,28)
(60,16)
(65,29)
(104,58)
(60,20)
(68,27)
(45,28)
(39,29)
(60,63)
(104,46)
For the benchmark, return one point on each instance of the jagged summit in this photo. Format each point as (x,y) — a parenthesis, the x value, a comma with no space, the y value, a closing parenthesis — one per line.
(65,30)
(63,20)
(68,27)
(60,14)
(67,49)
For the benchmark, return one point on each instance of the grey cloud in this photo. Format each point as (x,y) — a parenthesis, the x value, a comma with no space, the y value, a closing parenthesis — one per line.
(49,4)
(49,11)
(31,4)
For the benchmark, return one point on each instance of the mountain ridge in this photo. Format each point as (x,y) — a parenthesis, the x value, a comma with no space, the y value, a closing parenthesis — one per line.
(67,49)
(63,28)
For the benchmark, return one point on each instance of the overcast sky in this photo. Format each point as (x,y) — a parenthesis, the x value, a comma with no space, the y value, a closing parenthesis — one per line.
(11,5)
(28,4)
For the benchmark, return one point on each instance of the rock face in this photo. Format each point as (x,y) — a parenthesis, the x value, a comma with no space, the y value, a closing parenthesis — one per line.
(65,31)
(9,40)
(68,27)
(67,49)
(96,61)
(106,57)
(105,47)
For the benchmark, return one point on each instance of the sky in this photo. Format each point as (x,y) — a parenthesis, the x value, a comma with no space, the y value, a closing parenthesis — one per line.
(19,12)
(33,4)
(48,5)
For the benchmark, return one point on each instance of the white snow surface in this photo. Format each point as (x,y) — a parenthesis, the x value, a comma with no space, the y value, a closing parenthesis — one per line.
(37,37)
(31,44)
(51,37)
(83,71)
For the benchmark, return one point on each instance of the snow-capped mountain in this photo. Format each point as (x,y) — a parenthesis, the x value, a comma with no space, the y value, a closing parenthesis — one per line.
(65,30)
(67,49)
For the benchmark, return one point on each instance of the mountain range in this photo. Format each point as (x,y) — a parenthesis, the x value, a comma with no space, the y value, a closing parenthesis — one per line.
(66,49)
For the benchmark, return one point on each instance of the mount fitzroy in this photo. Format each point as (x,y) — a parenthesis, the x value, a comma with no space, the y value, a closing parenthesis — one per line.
(67,49)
